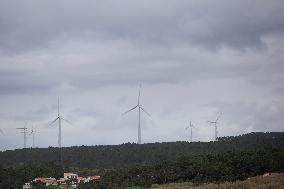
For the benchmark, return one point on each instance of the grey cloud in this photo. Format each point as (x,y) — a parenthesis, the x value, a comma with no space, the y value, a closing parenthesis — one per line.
(13,82)
(165,68)
(252,114)
(31,116)
(192,57)
(79,112)
(35,25)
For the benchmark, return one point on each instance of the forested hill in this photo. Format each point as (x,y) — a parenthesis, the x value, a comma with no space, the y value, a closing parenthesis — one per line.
(111,156)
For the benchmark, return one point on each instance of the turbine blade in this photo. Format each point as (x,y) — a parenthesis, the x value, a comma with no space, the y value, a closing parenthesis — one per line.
(145,111)
(54,121)
(139,94)
(58,106)
(138,101)
(129,110)
(26,125)
(187,128)
(66,121)
(1,131)
(48,125)
(218,117)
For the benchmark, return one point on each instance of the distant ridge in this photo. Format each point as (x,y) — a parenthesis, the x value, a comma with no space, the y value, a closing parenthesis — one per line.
(129,154)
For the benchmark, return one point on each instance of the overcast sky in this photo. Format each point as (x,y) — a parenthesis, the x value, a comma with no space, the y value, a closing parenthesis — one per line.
(194,59)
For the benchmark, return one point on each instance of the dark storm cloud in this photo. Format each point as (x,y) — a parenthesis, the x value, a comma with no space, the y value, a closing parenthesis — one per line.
(33,25)
(145,34)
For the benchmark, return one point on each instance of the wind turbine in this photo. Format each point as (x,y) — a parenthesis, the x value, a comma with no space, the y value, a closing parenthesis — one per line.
(59,118)
(139,106)
(215,125)
(190,126)
(33,132)
(24,129)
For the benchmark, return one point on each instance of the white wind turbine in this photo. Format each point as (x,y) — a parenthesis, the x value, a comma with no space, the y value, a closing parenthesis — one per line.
(33,133)
(25,130)
(190,126)
(215,125)
(139,106)
(59,118)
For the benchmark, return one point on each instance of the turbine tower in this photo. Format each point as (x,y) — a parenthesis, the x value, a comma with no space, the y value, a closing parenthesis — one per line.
(24,129)
(215,125)
(139,106)
(190,126)
(59,118)
(33,133)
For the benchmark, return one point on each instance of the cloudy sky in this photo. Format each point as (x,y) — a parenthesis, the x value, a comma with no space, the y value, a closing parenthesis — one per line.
(194,59)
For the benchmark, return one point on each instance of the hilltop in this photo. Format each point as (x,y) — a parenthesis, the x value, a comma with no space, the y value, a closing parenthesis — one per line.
(130,154)
(131,165)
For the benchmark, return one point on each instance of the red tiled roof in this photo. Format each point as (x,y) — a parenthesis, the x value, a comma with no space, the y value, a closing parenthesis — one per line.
(45,180)
(95,177)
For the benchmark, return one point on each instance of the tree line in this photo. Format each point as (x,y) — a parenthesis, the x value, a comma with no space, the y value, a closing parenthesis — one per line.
(128,165)
(228,166)
(130,154)
(15,177)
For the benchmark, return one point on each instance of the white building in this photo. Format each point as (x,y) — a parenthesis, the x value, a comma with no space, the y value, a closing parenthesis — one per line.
(27,186)
(68,176)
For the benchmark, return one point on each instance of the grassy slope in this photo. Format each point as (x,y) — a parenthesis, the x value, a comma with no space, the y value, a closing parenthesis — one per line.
(275,181)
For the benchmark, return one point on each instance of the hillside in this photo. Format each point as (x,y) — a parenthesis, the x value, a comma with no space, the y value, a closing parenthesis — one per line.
(274,181)
(210,168)
(112,156)
(129,165)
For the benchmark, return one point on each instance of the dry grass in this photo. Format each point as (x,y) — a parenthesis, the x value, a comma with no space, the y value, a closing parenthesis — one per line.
(274,181)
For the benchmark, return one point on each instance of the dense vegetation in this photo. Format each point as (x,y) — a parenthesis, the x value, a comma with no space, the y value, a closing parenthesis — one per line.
(15,177)
(128,165)
(229,166)
(128,154)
